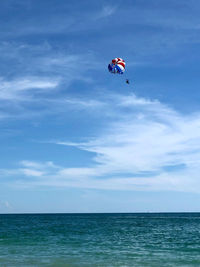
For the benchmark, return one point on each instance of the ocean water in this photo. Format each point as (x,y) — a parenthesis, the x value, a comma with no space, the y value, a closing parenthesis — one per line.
(168,239)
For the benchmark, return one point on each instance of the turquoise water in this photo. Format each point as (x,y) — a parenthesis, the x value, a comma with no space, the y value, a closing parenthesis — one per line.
(100,240)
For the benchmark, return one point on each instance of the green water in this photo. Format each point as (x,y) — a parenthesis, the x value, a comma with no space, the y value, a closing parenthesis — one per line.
(100,240)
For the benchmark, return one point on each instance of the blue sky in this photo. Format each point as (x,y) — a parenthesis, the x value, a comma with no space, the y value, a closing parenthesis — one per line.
(75,138)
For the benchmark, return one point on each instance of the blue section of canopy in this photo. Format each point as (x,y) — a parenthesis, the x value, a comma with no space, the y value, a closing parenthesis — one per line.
(114,69)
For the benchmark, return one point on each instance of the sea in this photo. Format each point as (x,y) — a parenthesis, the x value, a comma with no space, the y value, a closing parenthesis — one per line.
(116,239)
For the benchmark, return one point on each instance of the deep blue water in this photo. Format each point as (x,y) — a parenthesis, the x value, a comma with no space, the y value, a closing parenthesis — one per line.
(159,239)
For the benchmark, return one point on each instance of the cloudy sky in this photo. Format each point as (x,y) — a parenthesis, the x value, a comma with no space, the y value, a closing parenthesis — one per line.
(75,138)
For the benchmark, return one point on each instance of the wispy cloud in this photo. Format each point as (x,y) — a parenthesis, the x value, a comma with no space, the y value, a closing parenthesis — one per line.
(31,169)
(150,147)
(15,89)
(57,22)
(39,76)
(135,143)
(106,11)
(174,25)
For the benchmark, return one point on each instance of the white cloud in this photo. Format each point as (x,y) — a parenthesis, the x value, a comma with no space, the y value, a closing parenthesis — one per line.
(15,89)
(152,140)
(31,172)
(106,11)
(81,103)
(37,165)
(39,75)
(148,147)
(37,169)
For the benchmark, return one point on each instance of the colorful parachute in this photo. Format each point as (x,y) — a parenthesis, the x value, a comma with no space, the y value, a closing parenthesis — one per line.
(117,65)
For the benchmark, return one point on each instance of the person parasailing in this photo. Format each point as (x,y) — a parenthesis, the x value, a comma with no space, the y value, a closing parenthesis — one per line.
(117,66)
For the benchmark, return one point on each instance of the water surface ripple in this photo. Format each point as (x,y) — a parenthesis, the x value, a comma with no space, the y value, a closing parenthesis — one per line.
(104,240)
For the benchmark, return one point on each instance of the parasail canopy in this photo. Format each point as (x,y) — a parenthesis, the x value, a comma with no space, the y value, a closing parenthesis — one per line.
(117,65)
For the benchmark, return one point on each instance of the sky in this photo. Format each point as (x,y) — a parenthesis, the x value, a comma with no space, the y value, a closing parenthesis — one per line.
(75,138)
